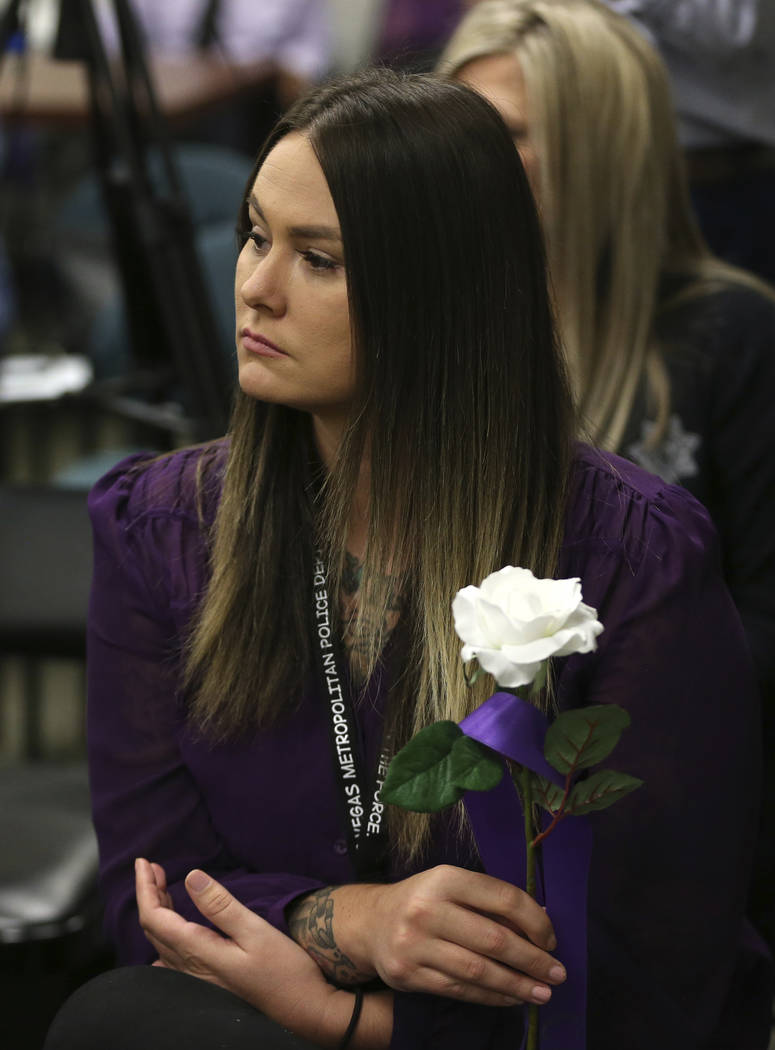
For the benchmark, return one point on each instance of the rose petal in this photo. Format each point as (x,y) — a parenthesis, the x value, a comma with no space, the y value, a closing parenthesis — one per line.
(511,579)
(504,671)
(480,622)
(534,651)
(556,602)
(540,626)
(579,639)
(464,614)
(495,627)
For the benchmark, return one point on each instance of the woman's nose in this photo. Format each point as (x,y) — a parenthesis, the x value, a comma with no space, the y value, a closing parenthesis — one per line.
(263,284)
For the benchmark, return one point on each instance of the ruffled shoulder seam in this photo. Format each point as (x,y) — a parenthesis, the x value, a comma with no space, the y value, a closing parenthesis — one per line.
(145,486)
(639,502)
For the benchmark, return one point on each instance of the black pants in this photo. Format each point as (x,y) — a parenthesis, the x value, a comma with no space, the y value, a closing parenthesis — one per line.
(148,1008)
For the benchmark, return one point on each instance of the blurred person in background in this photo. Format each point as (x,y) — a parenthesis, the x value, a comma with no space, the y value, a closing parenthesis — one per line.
(291,37)
(671,351)
(412,34)
(720,55)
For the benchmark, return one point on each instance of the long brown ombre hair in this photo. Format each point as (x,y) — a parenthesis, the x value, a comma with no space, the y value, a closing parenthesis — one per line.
(613,194)
(461,406)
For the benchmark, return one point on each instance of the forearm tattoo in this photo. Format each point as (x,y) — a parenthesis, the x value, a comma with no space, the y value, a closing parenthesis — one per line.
(311,924)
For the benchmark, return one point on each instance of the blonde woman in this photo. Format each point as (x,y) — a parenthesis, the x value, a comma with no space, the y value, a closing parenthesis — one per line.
(671,352)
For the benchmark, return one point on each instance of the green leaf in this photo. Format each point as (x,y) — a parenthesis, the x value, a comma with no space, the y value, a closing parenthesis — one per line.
(539,681)
(473,766)
(583,737)
(420,776)
(600,791)
(476,674)
(547,794)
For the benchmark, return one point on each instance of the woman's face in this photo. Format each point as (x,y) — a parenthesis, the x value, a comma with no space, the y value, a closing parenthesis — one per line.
(293,323)
(499,79)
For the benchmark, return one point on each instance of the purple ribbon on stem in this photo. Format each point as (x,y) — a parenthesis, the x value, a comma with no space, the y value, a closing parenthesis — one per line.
(516,729)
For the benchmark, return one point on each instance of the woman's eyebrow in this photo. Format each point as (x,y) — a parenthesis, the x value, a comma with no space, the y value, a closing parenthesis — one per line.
(316,233)
(311,232)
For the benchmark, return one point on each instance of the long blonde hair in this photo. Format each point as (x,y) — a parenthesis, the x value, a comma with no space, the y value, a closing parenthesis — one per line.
(461,399)
(612,192)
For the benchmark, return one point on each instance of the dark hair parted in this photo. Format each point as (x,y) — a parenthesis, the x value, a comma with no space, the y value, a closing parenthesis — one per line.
(462,407)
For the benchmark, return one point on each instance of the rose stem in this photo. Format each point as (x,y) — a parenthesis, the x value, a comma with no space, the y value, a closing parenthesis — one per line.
(526,790)
(559,814)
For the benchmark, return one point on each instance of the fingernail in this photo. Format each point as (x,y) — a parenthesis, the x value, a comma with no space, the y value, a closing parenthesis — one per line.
(557,973)
(541,994)
(198,881)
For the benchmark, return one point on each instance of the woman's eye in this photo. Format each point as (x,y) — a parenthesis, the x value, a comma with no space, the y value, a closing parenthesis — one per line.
(318,262)
(259,241)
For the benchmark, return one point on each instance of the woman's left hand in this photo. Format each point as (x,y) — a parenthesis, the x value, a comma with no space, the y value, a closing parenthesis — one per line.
(254,960)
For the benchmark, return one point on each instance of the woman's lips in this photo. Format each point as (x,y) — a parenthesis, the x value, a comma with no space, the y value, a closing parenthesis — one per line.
(257,344)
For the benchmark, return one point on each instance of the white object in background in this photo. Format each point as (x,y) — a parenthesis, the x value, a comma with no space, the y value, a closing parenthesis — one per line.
(42,22)
(42,377)
(354,31)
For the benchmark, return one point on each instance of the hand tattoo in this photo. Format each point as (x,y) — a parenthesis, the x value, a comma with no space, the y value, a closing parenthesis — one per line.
(311,924)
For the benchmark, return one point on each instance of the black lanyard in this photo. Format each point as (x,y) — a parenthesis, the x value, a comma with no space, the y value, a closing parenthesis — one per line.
(366,828)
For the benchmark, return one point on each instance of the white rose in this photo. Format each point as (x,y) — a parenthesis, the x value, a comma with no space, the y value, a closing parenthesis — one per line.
(514,622)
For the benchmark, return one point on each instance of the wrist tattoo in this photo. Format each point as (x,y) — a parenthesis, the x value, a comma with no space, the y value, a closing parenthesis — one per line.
(311,924)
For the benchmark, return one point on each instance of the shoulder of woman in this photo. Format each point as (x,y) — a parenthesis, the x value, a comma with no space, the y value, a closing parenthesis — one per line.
(179,485)
(721,319)
(622,517)
(151,517)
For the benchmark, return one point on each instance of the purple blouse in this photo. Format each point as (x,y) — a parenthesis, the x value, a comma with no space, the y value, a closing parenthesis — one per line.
(673,963)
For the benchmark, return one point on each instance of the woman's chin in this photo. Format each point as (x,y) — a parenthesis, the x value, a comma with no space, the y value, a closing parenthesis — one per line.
(255,382)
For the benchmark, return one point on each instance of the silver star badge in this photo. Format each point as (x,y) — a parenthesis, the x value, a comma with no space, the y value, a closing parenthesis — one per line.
(673,458)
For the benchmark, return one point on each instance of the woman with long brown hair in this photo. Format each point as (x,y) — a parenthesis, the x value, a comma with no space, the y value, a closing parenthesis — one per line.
(403,427)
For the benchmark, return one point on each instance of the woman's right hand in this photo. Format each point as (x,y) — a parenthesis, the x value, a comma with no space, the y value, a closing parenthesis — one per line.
(447,931)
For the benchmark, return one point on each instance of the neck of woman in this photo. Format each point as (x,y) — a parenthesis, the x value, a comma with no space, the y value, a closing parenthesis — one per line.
(327,432)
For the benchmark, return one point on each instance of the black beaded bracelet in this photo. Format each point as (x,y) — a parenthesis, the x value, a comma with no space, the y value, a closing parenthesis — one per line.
(353,1020)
